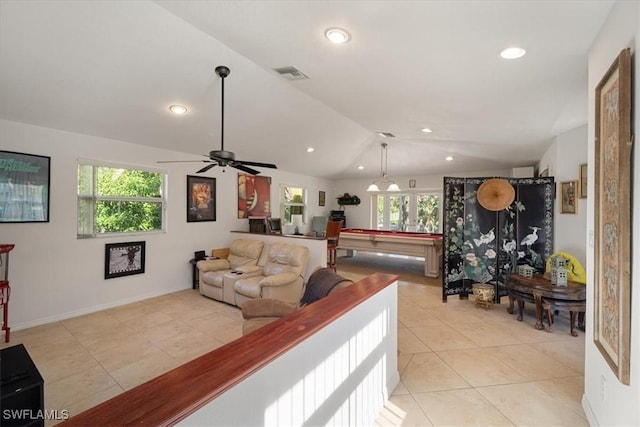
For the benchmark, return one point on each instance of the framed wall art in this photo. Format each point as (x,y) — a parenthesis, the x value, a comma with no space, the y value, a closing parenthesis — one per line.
(568,197)
(24,187)
(201,198)
(321,198)
(254,196)
(582,181)
(612,216)
(124,259)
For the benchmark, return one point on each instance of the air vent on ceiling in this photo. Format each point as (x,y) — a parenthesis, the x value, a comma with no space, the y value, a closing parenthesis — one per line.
(386,134)
(291,73)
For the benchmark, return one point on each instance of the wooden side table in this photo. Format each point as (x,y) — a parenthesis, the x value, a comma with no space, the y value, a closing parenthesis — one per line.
(195,273)
(537,289)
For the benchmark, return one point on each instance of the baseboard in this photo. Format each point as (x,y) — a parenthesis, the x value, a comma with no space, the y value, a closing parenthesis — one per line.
(586,407)
(92,309)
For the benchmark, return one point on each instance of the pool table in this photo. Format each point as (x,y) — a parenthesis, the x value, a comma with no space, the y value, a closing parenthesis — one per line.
(424,245)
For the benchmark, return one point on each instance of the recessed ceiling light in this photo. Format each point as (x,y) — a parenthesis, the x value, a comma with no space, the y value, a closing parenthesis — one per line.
(337,35)
(178,109)
(310,149)
(426,130)
(513,53)
(360,167)
(448,158)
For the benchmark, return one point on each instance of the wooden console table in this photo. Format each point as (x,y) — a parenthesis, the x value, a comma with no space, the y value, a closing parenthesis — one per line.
(539,290)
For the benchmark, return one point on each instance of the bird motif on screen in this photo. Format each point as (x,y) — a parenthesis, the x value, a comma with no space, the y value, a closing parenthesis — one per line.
(509,246)
(530,239)
(485,238)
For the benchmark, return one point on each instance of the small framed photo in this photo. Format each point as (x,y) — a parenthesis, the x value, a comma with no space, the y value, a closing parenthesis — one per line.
(568,201)
(124,259)
(321,198)
(583,181)
(201,198)
(412,183)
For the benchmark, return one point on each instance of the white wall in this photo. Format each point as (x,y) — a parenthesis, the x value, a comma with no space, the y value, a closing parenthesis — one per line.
(360,216)
(606,401)
(563,159)
(341,375)
(54,275)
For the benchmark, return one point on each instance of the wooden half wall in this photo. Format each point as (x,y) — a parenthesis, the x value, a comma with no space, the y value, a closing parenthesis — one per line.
(331,362)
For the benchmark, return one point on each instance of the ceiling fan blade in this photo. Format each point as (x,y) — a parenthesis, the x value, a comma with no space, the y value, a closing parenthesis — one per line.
(182,161)
(206,168)
(244,168)
(263,165)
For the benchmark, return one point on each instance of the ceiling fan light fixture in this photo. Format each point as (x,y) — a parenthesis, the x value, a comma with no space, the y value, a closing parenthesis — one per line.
(337,35)
(383,173)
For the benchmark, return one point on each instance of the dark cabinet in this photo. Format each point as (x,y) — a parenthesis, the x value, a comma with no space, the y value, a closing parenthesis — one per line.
(22,389)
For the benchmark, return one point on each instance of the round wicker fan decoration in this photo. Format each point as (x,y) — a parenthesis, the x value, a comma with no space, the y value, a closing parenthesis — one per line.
(496,194)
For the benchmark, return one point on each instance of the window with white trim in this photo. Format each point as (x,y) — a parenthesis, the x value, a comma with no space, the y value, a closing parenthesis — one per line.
(119,199)
(293,202)
(421,212)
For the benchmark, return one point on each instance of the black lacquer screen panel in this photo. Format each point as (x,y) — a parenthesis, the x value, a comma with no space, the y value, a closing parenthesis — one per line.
(482,246)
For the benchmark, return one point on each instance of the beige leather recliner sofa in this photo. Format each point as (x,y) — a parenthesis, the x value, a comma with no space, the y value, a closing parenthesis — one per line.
(259,312)
(281,278)
(217,275)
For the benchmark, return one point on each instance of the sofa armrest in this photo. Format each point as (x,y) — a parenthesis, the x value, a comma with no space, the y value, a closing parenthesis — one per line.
(279,279)
(267,307)
(246,269)
(213,265)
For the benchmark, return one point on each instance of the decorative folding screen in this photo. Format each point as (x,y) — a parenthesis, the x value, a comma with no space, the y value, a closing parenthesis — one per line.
(482,246)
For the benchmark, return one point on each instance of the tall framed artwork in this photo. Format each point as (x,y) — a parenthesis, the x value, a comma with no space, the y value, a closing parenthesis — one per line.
(612,216)
(254,195)
(568,197)
(201,198)
(24,187)
(583,180)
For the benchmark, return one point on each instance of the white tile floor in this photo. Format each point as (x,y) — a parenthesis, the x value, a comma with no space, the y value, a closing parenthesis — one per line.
(459,364)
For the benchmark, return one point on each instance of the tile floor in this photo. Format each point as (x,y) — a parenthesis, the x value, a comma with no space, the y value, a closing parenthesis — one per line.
(459,364)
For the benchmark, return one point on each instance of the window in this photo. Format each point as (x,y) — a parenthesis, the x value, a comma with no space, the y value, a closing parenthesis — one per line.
(119,199)
(407,212)
(293,202)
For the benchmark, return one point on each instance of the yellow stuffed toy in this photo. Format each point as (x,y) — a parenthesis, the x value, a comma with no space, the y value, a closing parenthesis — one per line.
(575,271)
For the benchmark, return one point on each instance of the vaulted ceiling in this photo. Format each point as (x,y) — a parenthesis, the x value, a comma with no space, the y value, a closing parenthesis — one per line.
(112,69)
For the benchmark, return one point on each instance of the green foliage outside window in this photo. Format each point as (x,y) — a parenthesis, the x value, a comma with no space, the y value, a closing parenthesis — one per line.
(118,200)
(428,213)
(292,203)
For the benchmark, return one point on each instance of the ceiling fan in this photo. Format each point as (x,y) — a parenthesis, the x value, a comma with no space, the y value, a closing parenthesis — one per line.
(221,157)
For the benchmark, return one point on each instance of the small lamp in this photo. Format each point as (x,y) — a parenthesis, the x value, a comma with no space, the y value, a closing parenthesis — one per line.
(296,220)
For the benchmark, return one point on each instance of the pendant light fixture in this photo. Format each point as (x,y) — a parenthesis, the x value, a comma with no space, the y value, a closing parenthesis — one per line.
(383,173)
